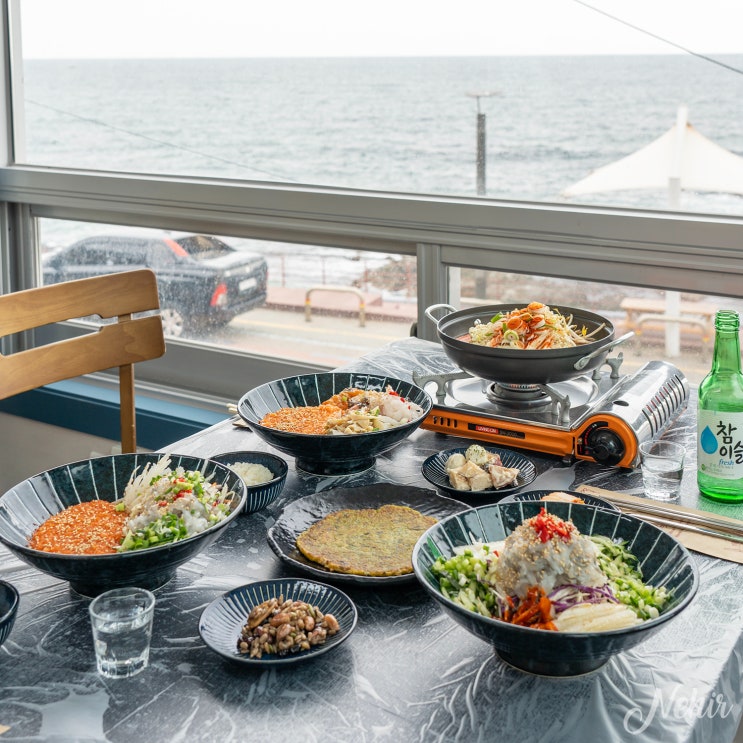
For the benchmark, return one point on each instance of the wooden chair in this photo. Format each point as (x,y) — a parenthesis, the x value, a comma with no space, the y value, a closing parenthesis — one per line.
(120,344)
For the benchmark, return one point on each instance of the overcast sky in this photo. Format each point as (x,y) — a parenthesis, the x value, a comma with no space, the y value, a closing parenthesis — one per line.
(249,28)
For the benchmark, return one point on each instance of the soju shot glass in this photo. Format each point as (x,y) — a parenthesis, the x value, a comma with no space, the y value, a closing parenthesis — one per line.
(121,620)
(662,465)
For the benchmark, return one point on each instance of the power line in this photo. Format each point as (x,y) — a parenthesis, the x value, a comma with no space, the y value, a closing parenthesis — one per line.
(660,38)
(105,124)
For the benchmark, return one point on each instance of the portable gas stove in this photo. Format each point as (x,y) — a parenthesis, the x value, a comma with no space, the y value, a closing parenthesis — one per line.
(603,417)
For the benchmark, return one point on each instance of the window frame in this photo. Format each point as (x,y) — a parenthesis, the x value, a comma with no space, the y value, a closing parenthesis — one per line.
(684,252)
(663,250)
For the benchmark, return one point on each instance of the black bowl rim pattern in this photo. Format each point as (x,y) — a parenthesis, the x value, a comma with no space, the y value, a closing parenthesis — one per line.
(535,495)
(585,651)
(222,620)
(29,503)
(434,470)
(14,599)
(311,508)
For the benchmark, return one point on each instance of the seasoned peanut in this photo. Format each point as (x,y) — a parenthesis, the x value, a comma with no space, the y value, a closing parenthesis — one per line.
(279,626)
(331,623)
(283,631)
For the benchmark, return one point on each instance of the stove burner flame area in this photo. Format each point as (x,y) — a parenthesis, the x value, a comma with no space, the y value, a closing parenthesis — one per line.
(553,400)
(517,395)
(574,418)
(543,403)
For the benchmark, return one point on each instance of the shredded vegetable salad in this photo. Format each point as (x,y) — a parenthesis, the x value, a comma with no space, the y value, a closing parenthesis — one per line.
(165,505)
(547,575)
(534,327)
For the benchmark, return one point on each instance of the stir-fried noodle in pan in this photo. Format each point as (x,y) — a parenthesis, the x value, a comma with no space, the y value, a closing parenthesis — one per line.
(534,327)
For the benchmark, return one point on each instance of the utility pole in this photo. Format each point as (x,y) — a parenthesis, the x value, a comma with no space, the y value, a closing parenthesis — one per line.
(481,140)
(481,277)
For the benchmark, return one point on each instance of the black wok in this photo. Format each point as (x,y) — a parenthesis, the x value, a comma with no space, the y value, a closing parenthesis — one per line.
(514,366)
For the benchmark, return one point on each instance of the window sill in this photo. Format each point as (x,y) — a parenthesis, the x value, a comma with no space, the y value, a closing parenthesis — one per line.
(91,409)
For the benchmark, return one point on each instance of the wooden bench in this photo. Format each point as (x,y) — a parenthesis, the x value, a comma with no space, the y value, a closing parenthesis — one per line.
(642,311)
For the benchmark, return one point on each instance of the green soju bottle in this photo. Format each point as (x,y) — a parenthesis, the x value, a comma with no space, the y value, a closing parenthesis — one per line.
(720,417)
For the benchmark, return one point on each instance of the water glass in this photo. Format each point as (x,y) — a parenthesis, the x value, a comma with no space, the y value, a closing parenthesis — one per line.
(662,466)
(122,627)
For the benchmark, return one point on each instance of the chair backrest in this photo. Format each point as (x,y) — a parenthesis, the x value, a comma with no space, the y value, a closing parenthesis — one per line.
(119,344)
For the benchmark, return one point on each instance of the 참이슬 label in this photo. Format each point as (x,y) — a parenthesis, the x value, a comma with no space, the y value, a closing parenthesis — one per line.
(720,444)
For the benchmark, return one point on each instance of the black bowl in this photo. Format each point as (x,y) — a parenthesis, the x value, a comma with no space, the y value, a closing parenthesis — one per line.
(434,470)
(331,454)
(537,495)
(8,609)
(222,621)
(664,562)
(258,496)
(31,502)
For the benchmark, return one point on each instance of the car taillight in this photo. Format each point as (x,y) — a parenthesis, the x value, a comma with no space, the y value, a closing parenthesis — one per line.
(219,297)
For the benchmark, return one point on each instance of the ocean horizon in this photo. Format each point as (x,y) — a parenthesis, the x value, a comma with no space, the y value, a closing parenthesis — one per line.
(398,124)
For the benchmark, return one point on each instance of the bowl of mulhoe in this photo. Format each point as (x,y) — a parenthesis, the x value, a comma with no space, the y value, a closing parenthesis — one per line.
(29,504)
(330,453)
(264,475)
(665,564)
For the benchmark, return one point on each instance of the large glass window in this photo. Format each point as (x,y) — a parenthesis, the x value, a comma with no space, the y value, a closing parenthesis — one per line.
(320,306)
(516,101)
(346,153)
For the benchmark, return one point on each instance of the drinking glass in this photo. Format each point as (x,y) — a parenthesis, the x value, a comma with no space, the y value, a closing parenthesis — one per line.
(122,627)
(662,466)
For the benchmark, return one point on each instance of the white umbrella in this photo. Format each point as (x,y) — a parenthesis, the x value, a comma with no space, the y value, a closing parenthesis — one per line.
(680,159)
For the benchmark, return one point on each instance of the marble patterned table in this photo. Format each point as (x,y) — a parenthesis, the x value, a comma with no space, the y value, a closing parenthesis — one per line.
(408,673)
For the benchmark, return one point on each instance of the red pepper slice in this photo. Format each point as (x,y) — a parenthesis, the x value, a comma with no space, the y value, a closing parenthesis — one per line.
(547,525)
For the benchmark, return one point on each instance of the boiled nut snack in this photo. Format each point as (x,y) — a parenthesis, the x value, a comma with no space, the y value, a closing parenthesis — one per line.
(281,627)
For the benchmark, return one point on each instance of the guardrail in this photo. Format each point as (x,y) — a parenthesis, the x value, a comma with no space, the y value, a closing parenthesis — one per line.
(331,288)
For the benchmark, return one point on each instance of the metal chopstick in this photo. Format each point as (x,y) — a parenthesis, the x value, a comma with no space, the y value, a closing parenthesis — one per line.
(681,516)
(686,526)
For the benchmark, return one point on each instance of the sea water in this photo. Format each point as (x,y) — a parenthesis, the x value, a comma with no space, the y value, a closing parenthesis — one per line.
(390,124)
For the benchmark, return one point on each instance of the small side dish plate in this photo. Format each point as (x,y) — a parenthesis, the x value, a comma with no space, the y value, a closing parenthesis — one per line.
(534,495)
(434,470)
(300,514)
(221,622)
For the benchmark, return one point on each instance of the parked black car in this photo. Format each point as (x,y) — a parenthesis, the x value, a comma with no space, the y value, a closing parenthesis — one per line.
(203,282)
